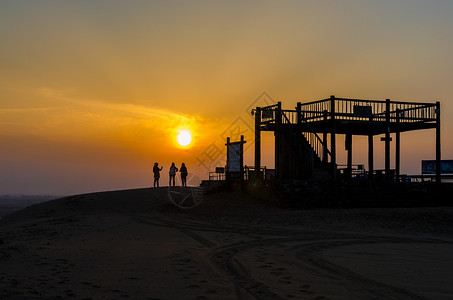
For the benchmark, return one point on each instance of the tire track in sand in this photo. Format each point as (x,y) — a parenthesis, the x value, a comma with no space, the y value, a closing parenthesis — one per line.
(308,246)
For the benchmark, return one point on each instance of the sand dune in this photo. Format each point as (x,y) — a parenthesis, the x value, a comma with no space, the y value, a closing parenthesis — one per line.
(135,244)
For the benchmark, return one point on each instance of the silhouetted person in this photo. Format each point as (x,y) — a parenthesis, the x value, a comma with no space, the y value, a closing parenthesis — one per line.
(173,170)
(183,171)
(156,171)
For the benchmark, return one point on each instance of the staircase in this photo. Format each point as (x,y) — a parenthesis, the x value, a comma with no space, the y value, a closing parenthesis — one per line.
(307,148)
(322,171)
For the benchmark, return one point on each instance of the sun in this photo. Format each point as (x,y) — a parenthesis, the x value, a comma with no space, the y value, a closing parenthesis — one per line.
(184,138)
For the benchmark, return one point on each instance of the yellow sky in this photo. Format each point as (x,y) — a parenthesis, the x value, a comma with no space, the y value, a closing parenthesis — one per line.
(93,92)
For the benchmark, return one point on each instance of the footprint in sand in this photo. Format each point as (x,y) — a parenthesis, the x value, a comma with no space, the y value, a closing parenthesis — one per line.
(267,265)
(278,271)
(70,293)
(285,281)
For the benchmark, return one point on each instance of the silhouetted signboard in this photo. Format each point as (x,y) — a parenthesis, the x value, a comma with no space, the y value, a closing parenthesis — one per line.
(234,165)
(267,114)
(429,167)
(362,111)
(234,155)
(220,170)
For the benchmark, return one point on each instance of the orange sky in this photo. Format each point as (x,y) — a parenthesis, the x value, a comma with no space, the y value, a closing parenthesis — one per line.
(92,93)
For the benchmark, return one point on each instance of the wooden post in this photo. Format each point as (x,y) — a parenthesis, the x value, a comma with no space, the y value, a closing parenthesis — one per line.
(333,151)
(370,157)
(299,158)
(397,146)
(438,149)
(277,134)
(324,139)
(257,142)
(387,139)
(299,113)
(227,169)
(242,162)
(348,146)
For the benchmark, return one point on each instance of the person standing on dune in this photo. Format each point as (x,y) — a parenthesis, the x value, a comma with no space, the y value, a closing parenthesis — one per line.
(183,171)
(156,171)
(173,170)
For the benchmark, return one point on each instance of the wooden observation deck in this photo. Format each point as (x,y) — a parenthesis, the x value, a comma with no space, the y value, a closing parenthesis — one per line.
(305,138)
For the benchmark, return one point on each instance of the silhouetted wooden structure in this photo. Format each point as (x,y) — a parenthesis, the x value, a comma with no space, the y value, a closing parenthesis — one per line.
(234,169)
(302,135)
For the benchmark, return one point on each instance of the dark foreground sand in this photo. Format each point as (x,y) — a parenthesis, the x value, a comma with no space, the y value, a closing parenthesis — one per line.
(135,244)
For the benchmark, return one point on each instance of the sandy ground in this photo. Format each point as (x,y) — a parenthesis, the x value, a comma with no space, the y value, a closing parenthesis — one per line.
(135,244)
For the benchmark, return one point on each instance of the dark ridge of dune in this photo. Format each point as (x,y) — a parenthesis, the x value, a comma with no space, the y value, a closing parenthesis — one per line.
(241,208)
(121,201)
(12,203)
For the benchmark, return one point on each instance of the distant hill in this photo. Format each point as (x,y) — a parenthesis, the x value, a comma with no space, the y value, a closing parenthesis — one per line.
(12,203)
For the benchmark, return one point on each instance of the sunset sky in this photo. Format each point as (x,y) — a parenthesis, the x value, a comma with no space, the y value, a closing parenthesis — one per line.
(92,93)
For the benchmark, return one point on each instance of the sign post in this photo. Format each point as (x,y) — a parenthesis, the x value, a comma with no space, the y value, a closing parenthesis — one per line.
(234,172)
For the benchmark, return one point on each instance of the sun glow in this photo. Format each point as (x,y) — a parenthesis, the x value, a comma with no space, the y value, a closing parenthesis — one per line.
(184,138)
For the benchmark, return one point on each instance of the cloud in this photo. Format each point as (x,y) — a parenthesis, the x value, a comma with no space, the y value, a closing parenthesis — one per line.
(22,110)
(63,119)
(54,92)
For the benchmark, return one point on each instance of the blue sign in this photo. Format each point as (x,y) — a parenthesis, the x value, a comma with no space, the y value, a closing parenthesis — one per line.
(429,167)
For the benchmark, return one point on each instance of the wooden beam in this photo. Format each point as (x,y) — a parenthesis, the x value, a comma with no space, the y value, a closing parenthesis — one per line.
(333,152)
(438,149)
(397,146)
(370,157)
(348,146)
(324,139)
(257,142)
(299,114)
(242,162)
(387,139)
(227,171)
(277,134)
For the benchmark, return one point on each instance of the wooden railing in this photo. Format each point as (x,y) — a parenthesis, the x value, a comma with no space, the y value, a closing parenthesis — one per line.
(365,110)
(353,109)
